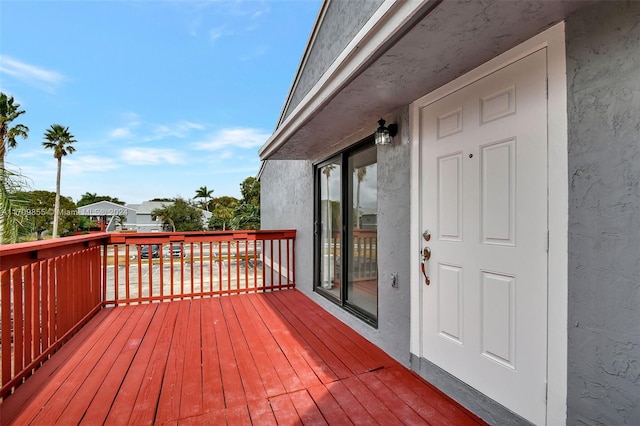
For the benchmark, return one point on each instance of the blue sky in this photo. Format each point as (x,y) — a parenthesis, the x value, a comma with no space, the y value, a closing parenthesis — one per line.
(163,97)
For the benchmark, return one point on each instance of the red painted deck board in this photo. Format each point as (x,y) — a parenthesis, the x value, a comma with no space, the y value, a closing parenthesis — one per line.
(171,391)
(285,342)
(103,383)
(241,355)
(274,358)
(213,393)
(137,374)
(265,366)
(355,352)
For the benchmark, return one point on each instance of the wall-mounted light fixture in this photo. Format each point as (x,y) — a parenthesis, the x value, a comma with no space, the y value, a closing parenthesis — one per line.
(384,134)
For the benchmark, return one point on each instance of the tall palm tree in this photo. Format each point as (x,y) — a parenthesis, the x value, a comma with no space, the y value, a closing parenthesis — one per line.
(10,182)
(58,139)
(9,111)
(204,192)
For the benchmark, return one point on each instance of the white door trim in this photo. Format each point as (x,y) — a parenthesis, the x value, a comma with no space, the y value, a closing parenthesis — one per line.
(553,40)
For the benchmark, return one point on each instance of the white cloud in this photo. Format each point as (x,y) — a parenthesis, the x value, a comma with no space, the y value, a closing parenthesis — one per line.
(216,33)
(147,132)
(120,133)
(151,156)
(87,163)
(42,78)
(225,154)
(233,138)
(132,121)
(179,130)
(132,118)
(193,26)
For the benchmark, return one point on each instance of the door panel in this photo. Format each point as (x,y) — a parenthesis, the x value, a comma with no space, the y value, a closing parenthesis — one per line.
(498,186)
(450,302)
(450,197)
(484,194)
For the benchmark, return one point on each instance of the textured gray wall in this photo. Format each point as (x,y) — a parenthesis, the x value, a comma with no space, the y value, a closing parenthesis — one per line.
(603,75)
(287,203)
(342,21)
(394,220)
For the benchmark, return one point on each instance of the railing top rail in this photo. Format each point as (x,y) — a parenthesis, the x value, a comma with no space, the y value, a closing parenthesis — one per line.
(198,236)
(20,254)
(14,255)
(52,244)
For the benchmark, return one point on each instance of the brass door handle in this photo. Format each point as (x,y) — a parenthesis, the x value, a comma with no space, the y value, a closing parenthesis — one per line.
(426,255)
(427,281)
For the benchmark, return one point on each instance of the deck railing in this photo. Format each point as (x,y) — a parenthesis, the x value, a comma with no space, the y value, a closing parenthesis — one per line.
(49,289)
(165,266)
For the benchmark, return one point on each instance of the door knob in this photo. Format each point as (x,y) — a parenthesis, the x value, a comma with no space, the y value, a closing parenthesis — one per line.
(426,235)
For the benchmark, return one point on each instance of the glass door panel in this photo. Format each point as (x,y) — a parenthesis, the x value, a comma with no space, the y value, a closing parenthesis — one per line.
(362,256)
(330,228)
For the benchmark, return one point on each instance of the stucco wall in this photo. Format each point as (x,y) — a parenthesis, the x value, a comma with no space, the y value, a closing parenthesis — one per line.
(342,21)
(603,76)
(286,202)
(394,214)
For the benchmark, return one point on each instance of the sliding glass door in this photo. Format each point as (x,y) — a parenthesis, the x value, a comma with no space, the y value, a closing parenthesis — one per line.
(346,231)
(362,232)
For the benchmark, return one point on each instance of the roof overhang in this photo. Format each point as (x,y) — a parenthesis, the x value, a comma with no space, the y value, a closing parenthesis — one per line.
(406,50)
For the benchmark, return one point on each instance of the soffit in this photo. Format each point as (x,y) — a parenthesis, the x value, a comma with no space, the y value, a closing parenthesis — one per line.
(454,38)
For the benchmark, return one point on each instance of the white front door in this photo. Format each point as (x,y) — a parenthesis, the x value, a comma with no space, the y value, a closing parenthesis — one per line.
(483,168)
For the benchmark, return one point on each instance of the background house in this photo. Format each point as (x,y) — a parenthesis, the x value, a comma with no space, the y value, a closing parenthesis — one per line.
(137,217)
(144,220)
(451,71)
(110,216)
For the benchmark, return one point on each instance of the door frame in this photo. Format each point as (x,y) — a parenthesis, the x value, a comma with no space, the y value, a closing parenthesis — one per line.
(553,40)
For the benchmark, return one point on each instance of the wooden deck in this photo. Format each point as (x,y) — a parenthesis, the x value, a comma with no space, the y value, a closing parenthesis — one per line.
(269,358)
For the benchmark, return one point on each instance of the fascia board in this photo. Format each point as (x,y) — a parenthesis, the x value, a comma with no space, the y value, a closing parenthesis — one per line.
(390,18)
(305,56)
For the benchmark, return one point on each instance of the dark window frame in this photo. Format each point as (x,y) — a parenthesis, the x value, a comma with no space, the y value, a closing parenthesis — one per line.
(341,158)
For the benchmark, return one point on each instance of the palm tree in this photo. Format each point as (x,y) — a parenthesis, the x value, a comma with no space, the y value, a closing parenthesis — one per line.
(10,182)
(58,139)
(9,111)
(204,192)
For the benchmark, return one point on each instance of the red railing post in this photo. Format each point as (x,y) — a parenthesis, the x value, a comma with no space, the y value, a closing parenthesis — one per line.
(28,316)
(18,306)
(5,291)
(37,310)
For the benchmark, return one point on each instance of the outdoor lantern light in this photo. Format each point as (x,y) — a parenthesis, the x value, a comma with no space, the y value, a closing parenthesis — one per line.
(384,134)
